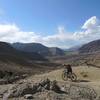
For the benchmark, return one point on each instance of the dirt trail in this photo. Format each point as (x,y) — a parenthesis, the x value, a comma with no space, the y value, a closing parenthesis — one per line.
(92,79)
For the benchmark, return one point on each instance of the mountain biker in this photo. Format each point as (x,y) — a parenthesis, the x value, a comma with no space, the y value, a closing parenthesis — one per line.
(68,68)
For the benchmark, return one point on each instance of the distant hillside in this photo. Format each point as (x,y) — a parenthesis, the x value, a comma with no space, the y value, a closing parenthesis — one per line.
(38,48)
(18,61)
(7,50)
(56,51)
(32,47)
(87,54)
(91,47)
(74,48)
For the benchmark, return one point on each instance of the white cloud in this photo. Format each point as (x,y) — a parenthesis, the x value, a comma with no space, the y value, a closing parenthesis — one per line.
(89,31)
(60,35)
(91,23)
(59,39)
(12,33)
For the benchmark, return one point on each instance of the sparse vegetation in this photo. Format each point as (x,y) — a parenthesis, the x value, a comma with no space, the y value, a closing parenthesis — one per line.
(84,74)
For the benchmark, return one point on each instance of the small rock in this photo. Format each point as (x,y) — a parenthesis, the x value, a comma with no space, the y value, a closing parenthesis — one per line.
(63,88)
(28,96)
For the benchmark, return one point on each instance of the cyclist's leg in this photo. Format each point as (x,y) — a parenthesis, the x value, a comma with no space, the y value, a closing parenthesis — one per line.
(69,74)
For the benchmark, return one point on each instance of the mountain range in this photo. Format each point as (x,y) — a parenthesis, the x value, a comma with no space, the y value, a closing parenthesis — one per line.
(38,48)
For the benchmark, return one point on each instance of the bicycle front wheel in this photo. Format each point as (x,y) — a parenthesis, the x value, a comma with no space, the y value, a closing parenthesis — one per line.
(73,77)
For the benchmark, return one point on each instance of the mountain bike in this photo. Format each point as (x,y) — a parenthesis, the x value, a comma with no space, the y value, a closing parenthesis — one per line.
(66,76)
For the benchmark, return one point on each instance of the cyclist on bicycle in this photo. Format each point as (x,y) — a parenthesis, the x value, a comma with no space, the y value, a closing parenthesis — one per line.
(68,73)
(68,68)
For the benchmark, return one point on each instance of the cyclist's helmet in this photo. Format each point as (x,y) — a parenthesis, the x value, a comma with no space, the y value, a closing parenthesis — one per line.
(64,65)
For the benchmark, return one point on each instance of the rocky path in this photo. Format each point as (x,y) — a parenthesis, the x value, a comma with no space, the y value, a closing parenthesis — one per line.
(49,86)
(48,90)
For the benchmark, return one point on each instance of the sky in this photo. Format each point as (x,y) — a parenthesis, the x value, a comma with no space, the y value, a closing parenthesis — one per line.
(54,23)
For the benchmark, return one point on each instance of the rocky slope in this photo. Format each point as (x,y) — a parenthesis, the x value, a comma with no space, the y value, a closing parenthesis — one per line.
(90,47)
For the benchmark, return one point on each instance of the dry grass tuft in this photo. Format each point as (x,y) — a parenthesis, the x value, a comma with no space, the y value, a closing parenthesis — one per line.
(84,74)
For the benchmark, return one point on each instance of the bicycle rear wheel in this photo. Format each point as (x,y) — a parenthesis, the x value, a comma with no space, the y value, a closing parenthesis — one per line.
(64,76)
